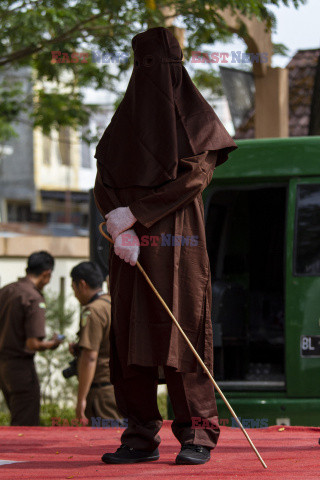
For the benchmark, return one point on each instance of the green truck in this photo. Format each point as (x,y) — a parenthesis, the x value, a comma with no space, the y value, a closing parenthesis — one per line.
(262,213)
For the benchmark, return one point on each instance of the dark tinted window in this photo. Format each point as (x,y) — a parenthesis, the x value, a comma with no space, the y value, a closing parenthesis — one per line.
(307,243)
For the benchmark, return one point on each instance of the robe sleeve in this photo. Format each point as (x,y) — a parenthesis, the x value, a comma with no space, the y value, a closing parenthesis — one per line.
(193,176)
(105,197)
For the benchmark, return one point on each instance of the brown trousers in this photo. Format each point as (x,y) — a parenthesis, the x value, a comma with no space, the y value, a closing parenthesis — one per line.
(20,386)
(191,395)
(101,403)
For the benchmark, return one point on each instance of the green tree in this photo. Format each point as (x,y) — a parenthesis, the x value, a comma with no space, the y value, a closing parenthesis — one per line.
(50,363)
(31,29)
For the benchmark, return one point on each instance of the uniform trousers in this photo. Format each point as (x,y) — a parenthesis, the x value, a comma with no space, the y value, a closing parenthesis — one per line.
(101,403)
(192,397)
(20,386)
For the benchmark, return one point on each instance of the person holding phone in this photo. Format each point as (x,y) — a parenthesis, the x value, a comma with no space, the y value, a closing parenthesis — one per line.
(22,333)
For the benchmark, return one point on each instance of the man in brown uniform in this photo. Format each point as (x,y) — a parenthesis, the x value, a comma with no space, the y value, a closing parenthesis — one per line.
(154,160)
(22,330)
(96,400)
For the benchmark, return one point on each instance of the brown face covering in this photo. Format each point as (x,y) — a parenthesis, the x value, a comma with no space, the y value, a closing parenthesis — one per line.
(143,142)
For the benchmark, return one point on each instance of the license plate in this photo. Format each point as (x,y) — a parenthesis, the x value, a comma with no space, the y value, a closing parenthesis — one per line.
(310,345)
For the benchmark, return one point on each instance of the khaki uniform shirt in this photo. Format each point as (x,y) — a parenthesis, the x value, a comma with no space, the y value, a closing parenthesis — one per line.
(94,333)
(22,316)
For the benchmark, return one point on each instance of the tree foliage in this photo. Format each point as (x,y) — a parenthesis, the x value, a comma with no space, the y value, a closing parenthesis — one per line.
(50,363)
(31,29)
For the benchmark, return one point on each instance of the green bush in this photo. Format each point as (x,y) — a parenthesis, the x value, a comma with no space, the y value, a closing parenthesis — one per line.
(50,363)
(162,405)
(4,418)
(49,411)
(53,411)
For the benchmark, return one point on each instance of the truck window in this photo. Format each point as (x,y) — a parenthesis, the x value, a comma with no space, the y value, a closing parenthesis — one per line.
(245,240)
(307,237)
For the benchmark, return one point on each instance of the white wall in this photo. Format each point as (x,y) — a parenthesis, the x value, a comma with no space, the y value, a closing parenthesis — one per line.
(13,268)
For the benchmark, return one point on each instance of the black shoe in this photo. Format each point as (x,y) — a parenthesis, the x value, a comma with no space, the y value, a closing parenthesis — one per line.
(193,455)
(126,454)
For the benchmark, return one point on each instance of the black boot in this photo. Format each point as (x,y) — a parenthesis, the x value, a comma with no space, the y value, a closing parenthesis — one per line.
(193,455)
(126,454)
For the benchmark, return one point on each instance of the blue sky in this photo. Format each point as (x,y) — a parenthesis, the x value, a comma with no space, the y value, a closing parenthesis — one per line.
(296,28)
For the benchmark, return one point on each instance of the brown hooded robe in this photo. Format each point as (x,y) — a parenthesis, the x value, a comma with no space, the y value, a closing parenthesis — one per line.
(157,156)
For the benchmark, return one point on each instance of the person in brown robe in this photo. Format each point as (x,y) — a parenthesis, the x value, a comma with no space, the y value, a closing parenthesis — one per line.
(154,161)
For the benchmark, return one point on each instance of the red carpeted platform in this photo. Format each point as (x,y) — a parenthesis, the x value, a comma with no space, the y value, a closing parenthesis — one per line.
(70,452)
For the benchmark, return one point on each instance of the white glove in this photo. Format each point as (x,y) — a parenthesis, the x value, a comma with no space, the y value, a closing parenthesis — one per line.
(127,246)
(119,220)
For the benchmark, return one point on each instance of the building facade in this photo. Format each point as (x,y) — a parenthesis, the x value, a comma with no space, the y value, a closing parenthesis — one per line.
(46,179)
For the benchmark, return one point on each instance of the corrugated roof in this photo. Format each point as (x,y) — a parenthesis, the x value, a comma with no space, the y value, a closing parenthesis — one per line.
(302,72)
